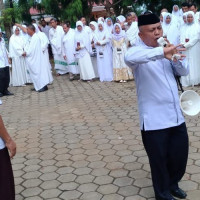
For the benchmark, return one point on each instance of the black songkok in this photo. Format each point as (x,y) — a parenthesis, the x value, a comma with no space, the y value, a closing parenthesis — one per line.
(147,19)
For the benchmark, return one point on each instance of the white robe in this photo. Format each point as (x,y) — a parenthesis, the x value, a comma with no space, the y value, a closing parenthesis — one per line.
(104,62)
(44,45)
(68,47)
(192,54)
(132,34)
(171,31)
(35,60)
(55,38)
(83,55)
(19,68)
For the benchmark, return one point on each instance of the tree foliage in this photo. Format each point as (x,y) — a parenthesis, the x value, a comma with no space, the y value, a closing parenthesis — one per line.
(63,9)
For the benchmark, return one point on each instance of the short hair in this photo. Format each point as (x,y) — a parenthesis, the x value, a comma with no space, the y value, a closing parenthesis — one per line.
(185,4)
(43,20)
(32,27)
(82,17)
(193,4)
(129,15)
(68,24)
(53,19)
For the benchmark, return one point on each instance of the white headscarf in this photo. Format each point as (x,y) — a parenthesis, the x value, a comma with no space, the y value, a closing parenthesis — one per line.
(100,19)
(101,34)
(121,18)
(95,25)
(120,35)
(108,28)
(176,13)
(16,44)
(192,29)
(82,37)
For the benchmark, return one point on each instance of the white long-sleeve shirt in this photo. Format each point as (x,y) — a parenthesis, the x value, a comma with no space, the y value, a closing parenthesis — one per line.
(3,54)
(157,90)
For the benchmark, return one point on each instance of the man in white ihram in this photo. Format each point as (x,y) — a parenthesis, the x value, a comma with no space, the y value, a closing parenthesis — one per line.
(164,132)
(36,63)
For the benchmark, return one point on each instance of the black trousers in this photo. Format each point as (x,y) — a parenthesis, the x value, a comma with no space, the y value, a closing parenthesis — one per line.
(167,150)
(4,79)
(7,187)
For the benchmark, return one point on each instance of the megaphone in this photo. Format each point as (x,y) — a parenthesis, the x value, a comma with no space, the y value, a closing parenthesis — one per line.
(190,102)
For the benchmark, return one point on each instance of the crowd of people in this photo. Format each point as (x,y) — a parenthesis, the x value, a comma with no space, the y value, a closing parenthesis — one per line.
(94,51)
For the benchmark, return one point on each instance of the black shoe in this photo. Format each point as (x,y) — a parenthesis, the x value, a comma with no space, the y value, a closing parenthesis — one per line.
(45,88)
(7,93)
(167,197)
(32,89)
(1,95)
(179,193)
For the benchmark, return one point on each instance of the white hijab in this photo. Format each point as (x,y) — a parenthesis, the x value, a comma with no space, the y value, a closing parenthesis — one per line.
(82,37)
(108,28)
(192,29)
(16,44)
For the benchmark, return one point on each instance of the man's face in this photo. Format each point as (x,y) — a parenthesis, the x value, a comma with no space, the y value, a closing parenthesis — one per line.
(29,31)
(129,20)
(83,20)
(185,9)
(65,28)
(43,23)
(192,8)
(53,23)
(150,34)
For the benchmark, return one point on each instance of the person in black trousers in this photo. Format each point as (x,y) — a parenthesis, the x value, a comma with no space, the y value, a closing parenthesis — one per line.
(4,69)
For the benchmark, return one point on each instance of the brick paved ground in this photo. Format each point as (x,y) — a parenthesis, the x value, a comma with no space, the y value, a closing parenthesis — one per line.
(81,140)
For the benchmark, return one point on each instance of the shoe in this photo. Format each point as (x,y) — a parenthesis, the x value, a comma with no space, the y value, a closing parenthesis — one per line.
(1,95)
(7,93)
(179,193)
(45,88)
(165,197)
(32,89)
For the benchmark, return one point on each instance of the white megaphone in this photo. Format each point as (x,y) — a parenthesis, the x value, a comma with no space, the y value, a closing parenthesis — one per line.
(190,103)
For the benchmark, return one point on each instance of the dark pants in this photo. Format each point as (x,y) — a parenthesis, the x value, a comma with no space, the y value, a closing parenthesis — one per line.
(4,79)
(7,188)
(167,150)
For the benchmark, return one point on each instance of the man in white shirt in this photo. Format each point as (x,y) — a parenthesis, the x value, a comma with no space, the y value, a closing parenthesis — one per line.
(193,7)
(164,132)
(7,187)
(56,34)
(45,28)
(4,69)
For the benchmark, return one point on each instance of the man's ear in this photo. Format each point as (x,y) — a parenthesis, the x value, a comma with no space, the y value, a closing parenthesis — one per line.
(140,35)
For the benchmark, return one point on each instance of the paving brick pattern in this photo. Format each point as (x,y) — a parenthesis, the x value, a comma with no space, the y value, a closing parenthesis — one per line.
(82,141)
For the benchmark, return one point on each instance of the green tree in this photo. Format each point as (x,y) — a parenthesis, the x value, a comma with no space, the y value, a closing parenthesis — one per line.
(63,9)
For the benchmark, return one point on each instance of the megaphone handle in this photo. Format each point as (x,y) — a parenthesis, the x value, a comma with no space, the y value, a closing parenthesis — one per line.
(179,83)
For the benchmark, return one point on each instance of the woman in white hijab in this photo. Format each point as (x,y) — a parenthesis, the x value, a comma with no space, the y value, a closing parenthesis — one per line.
(121,20)
(104,54)
(121,71)
(109,25)
(190,41)
(16,49)
(170,29)
(94,27)
(176,12)
(82,51)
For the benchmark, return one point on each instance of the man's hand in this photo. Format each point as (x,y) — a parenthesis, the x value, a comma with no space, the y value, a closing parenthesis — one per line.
(10,144)
(170,50)
(78,48)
